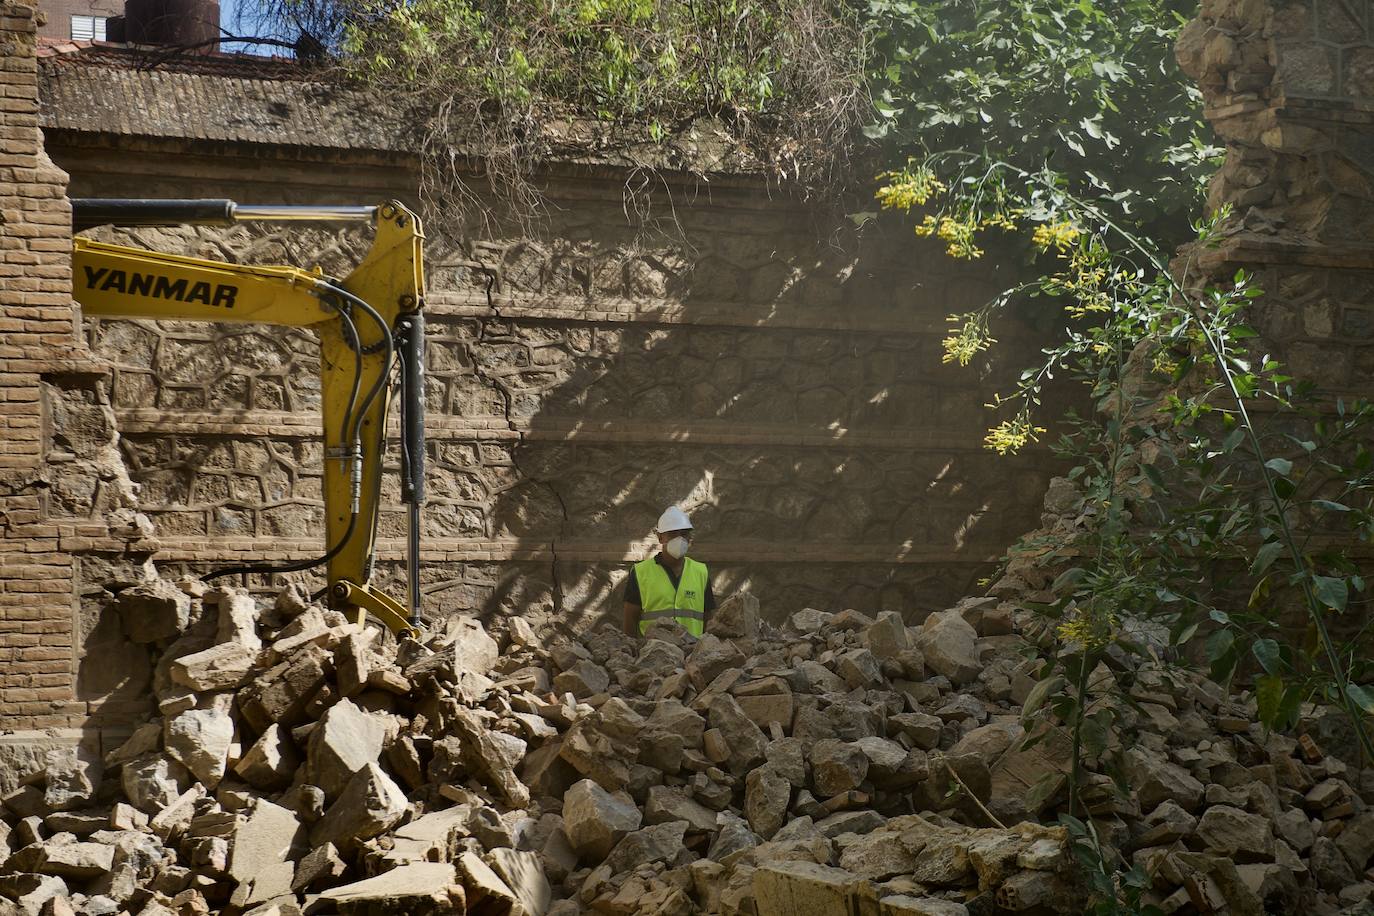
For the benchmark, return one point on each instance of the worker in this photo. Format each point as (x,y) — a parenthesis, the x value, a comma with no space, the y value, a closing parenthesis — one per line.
(669,585)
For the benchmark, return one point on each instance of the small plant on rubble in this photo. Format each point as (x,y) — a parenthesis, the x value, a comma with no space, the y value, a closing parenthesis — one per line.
(1215,494)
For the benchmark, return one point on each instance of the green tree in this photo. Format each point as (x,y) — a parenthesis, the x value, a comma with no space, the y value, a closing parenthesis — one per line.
(1086,87)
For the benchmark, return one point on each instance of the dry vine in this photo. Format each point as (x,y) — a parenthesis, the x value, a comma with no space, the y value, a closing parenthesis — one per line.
(497,91)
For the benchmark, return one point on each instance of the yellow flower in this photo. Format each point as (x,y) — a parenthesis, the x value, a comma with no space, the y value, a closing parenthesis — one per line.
(1010,436)
(1164,363)
(908,188)
(1059,236)
(959,235)
(970,340)
(1091,631)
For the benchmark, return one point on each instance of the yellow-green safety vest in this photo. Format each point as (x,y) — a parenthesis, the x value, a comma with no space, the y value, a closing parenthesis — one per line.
(658,600)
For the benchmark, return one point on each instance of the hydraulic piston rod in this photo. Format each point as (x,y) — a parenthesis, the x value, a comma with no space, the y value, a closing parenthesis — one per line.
(90,212)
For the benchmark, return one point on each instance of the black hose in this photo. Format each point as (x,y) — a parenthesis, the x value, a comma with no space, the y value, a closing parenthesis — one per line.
(351,424)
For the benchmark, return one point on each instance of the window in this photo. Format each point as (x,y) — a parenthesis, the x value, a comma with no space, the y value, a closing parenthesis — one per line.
(88,28)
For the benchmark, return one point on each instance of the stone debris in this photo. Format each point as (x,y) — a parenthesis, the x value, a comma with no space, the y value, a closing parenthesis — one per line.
(840,763)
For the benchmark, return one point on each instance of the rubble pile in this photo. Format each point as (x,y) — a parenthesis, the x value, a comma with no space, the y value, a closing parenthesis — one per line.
(300,763)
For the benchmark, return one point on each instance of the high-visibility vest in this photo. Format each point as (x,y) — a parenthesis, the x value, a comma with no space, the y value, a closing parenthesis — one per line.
(658,600)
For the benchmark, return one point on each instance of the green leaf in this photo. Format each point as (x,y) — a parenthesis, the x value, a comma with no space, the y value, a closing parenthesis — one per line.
(1331,591)
(1269,698)
(1076,827)
(1219,643)
(1265,556)
(1281,466)
(1068,579)
(1362,698)
(1330,506)
(1039,693)
(1292,704)
(1268,654)
(1095,735)
(1221,655)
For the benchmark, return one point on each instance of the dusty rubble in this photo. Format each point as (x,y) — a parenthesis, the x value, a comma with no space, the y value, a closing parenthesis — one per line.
(838,764)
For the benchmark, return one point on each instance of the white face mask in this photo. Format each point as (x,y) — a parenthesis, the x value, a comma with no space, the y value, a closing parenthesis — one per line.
(677,547)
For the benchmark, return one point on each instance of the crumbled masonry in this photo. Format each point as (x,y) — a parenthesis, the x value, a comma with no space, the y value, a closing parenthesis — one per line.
(838,765)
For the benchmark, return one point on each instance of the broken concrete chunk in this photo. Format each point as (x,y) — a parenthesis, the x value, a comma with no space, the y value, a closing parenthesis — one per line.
(667,804)
(1356,841)
(71,859)
(370,804)
(887,637)
(238,618)
(523,874)
(345,740)
(321,866)
(595,820)
(1156,779)
(903,905)
(71,777)
(804,889)
(879,856)
(710,658)
(860,669)
(484,887)
(419,889)
(950,647)
(219,668)
(582,680)
(493,755)
(353,663)
(766,798)
(200,739)
(271,762)
(737,617)
(657,843)
(744,741)
(837,767)
(264,845)
(152,782)
(153,612)
(281,693)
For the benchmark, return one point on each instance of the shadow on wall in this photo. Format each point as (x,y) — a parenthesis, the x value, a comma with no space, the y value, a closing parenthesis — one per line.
(778,378)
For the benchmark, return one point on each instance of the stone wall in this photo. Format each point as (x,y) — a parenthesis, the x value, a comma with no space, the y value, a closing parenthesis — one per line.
(778,377)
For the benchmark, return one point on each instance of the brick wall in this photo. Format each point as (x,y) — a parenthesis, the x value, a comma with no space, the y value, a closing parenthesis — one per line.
(37,324)
(55,420)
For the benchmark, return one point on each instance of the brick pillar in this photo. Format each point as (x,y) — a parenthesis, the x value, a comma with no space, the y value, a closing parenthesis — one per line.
(65,497)
(37,329)
(1289,88)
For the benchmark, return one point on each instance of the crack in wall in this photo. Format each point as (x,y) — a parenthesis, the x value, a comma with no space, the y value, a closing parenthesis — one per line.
(556,592)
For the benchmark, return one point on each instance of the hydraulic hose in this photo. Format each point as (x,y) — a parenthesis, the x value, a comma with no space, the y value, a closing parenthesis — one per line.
(352,427)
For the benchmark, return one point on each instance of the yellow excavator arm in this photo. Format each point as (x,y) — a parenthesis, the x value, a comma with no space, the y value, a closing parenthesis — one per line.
(366,322)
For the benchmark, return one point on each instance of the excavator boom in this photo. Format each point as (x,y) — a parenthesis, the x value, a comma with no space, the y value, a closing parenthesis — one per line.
(366,322)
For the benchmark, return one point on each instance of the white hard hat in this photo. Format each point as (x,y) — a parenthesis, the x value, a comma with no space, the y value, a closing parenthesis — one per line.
(673,519)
